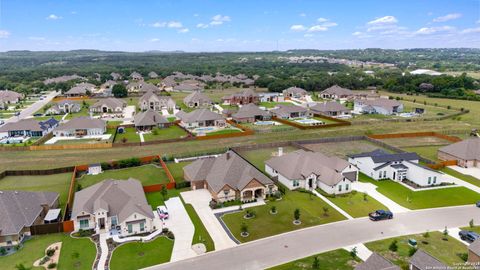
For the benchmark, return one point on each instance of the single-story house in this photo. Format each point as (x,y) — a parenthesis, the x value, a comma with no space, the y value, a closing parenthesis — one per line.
(108,105)
(81,126)
(378,106)
(271,97)
(466,152)
(201,118)
(8,97)
(27,128)
(228,177)
(150,119)
(246,96)
(474,252)
(80,90)
(136,76)
(421,260)
(152,101)
(377,262)
(250,113)
(336,92)
(295,92)
(197,99)
(311,170)
(113,205)
(329,108)
(63,107)
(19,210)
(108,84)
(288,112)
(380,165)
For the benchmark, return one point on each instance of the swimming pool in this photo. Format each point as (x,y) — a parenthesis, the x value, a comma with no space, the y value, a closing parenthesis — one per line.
(309,121)
(265,123)
(204,129)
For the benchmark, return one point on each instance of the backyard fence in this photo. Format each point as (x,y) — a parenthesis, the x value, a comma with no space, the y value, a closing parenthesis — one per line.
(414,134)
(338,123)
(47,228)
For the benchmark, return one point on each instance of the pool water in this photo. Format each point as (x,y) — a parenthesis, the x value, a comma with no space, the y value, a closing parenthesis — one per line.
(309,121)
(204,129)
(264,123)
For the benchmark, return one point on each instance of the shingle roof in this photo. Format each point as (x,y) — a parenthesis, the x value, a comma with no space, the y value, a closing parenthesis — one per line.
(338,91)
(29,124)
(424,261)
(197,96)
(329,106)
(377,262)
(81,88)
(186,87)
(287,110)
(380,156)
(120,198)
(468,149)
(295,90)
(149,118)
(227,169)
(7,95)
(82,122)
(381,102)
(111,103)
(245,93)
(19,209)
(200,115)
(250,110)
(475,247)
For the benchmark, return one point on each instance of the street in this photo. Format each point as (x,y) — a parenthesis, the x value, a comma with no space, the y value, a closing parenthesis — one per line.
(32,108)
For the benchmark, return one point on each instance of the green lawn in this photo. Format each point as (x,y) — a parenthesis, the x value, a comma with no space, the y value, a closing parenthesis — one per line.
(147,174)
(339,259)
(172,132)
(80,141)
(176,169)
(130,134)
(266,224)
(258,156)
(34,249)
(423,199)
(473,229)
(467,178)
(274,104)
(354,204)
(155,199)
(426,151)
(138,255)
(445,251)
(277,128)
(56,183)
(201,234)
(224,131)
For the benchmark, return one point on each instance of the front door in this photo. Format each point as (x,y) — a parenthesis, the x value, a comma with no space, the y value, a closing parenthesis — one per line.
(102,223)
(310,183)
(394,174)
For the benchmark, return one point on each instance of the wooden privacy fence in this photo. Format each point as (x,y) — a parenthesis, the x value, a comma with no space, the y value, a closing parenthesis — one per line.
(338,123)
(70,146)
(47,228)
(245,132)
(414,134)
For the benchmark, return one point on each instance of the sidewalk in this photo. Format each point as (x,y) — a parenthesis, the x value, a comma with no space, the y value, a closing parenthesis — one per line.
(371,190)
(332,204)
(235,207)
(362,251)
(103,251)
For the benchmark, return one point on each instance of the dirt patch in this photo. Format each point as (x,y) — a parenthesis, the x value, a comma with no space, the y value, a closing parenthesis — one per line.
(342,149)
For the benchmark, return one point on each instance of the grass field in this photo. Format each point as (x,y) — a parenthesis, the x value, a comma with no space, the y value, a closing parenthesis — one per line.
(146,174)
(416,141)
(130,134)
(423,199)
(266,224)
(34,249)
(224,131)
(176,169)
(339,259)
(258,156)
(201,234)
(172,132)
(136,255)
(342,149)
(54,183)
(354,204)
(445,251)
(429,152)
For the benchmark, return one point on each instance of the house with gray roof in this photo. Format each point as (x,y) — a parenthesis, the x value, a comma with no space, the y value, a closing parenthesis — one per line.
(228,177)
(400,167)
(377,106)
(116,76)
(290,111)
(377,262)
(118,206)
(80,90)
(329,108)
(421,260)
(466,152)
(63,107)
(311,170)
(250,113)
(202,118)
(336,92)
(136,76)
(295,92)
(108,105)
(8,97)
(197,100)
(141,87)
(474,253)
(150,119)
(185,87)
(80,127)
(19,210)
(150,100)
(27,128)
(152,75)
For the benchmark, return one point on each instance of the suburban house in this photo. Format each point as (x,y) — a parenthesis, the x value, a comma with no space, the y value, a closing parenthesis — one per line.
(311,170)
(80,90)
(377,262)
(152,101)
(271,97)
(185,87)
(474,252)
(228,177)
(247,96)
(421,260)
(380,165)
(136,76)
(94,169)
(63,107)
(20,210)
(329,108)
(197,99)
(108,105)
(116,76)
(295,92)
(377,106)
(202,118)
(336,92)
(141,87)
(115,206)
(466,152)
(152,75)
(81,126)
(108,84)
(289,112)
(150,119)
(250,113)
(27,128)
(8,97)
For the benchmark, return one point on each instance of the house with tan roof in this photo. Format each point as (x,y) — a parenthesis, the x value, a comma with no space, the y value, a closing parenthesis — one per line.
(136,76)
(422,260)
(202,118)
(378,106)
(81,126)
(150,100)
(330,108)
(466,153)
(336,92)
(197,100)
(116,206)
(152,75)
(108,105)
(246,96)
(229,177)
(289,112)
(250,113)
(150,119)
(8,97)
(311,170)
(474,252)
(377,262)
(80,90)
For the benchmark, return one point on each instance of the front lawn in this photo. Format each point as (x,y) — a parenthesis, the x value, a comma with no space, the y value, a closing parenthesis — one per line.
(356,205)
(445,251)
(139,255)
(155,199)
(147,174)
(130,134)
(201,234)
(176,169)
(172,132)
(339,259)
(266,224)
(423,199)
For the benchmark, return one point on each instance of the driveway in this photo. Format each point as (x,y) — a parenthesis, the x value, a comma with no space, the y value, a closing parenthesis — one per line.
(182,227)
(200,199)
(475,172)
(283,248)
(33,108)
(371,190)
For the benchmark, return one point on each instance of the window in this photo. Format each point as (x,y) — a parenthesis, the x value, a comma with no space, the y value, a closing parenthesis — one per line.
(130,229)
(296,183)
(384,174)
(84,223)
(346,187)
(339,187)
(434,179)
(429,180)
(142,226)
(114,221)
(379,174)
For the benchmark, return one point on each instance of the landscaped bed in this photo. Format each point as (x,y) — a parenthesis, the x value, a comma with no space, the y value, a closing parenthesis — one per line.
(258,156)
(339,259)
(172,132)
(356,204)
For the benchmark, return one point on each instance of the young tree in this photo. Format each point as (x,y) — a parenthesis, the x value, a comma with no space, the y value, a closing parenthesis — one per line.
(164,192)
(354,252)
(244,228)
(273,209)
(119,91)
(296,214)
(316,263)
(393,246)
(325,210)
(471,223)
(445,233)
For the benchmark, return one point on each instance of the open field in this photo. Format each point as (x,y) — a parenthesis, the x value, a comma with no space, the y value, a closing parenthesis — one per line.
(258,156)
(342,149)
(356,205)
(339,259)
(416,141)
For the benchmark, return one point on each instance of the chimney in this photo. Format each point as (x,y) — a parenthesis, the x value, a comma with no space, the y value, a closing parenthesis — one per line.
(228,155)
(280,151)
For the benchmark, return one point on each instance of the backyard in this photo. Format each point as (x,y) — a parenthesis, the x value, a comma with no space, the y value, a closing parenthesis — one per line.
(269,105)
(172,132)
(176,169)
(258,156)
(343,149)
(339,259)
(129,135)
(356,204)
(278,127)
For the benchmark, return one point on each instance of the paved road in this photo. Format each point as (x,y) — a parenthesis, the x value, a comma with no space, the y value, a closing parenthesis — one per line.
(32,108)
(286,247)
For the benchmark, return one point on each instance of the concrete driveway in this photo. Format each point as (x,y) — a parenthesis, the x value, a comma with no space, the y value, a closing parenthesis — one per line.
(475,172)
(200,199)
(182,227)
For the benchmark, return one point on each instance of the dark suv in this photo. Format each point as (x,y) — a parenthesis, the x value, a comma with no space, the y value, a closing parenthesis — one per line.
(468,236)
(380,215)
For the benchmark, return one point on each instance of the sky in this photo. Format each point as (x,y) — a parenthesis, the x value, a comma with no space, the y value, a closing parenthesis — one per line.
(237,25)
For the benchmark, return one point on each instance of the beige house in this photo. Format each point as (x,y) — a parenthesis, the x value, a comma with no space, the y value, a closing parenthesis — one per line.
(201,118)
(197,99)
(108,105)
(152,101)
(229,177)
(466,153)
(8,97)
(474,252)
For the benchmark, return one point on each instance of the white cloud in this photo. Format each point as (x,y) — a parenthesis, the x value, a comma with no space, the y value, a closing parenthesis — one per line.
(154,40)
(195,15)
(219,19)
(383,20)
(53,17)
(329,24)
(322,20)
(4,33)
(73,12)
(477,21)
(448,17)
(358,33)
(184,30)
(174,24)
(302,15)
(37,38)
(202,25)
(159,24)
(297,28)
(308,35)
(434,30)
(470,30)
(317,28)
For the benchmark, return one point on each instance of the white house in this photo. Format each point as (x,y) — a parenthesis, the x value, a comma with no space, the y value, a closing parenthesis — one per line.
(377,106)
(380,165)
(311,170)
(81,126)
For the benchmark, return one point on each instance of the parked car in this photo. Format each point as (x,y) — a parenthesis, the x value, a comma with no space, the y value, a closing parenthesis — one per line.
(380,215)
(162,212)
(468,236)
(478,204)
(17,113)
(38,114)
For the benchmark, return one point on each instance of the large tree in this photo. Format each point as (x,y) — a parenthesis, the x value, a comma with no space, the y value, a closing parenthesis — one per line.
(119,91)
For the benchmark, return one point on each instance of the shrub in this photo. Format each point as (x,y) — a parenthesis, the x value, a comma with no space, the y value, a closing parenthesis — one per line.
(463,256)
(180,185)
(471,223)
(170,235)
(393,246)
(316,263)
(426,234)
(44,260)
(273,209)
(50,252)
(411,251)
(325,210)
(296,214)
(244,228)
(52,265)
(3,251)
